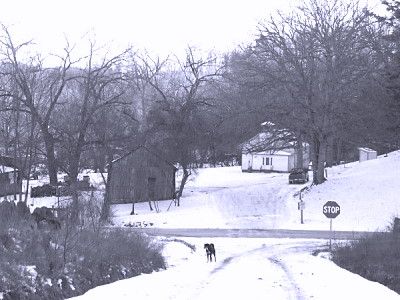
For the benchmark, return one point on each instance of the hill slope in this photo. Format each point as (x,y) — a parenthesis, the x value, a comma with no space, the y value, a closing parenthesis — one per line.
(367,192)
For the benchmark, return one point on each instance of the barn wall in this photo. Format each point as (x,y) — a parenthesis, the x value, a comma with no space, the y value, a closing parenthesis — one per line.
(130,175)
(121,185)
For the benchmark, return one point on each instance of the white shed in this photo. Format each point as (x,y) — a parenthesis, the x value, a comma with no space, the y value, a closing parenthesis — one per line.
(367,154)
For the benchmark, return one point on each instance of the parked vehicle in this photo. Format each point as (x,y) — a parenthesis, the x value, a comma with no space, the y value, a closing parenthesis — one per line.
(298,175)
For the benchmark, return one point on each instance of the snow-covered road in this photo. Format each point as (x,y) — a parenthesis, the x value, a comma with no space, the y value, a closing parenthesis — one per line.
(252,274)
(245,269)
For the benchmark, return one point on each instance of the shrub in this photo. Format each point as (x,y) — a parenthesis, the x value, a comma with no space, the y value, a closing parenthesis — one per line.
(376,258)
(45,190)
(56,264)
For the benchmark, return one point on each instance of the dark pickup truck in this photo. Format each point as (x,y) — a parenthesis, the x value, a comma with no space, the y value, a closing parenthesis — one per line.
(298,175)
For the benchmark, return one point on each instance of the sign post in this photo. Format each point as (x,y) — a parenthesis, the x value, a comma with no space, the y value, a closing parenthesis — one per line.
(331,210)
(301,205)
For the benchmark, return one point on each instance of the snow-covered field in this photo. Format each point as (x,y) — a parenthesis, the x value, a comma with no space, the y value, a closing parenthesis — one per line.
(263,268)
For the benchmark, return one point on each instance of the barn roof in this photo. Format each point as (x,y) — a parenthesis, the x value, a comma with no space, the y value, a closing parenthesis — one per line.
(147,149)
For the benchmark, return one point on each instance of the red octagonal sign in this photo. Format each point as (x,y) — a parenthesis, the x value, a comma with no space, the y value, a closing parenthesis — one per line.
(331,209)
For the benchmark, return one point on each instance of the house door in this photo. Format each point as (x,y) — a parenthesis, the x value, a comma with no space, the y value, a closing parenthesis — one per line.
(151,188)
(250,163)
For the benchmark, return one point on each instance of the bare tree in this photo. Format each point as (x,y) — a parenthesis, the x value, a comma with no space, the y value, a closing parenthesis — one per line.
(38,88)
(176,118)
(93,90)
(312,62)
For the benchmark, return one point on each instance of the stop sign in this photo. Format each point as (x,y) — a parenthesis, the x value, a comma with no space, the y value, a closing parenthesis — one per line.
(331,209)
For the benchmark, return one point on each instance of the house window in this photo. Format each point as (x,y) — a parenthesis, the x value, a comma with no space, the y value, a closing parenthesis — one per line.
(267,161)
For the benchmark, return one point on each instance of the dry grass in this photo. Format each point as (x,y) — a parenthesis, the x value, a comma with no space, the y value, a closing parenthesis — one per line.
(376,258)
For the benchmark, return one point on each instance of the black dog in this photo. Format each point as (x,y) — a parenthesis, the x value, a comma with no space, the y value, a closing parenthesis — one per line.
(210,250)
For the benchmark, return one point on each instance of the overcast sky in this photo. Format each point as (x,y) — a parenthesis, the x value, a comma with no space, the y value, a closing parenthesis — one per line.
(160,26)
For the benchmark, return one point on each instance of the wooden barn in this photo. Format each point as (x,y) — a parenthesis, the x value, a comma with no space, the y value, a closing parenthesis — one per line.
(10,179)
(139,176)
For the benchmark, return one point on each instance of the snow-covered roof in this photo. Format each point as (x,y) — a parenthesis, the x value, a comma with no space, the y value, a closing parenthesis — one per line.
(5,169)
(267,123)
(367,150)
(265,142)
(147,149)
(286,152)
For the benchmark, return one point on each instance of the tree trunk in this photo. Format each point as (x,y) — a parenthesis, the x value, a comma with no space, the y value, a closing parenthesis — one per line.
(75,200)
(339,150)
(105,209)
(32,157)
(50,154)
(185,177)
(330,151)
(321,162)
(133,207)
(149,201)
(73,173)
(299,150)
(318,159)
(314,160)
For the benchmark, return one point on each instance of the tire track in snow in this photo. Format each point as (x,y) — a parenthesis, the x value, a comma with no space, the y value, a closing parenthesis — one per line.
(299,294)
(269,273)
(278,253)
(225,262)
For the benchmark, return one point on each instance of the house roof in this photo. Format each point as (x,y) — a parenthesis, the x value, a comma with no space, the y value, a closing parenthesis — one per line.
(267,142)
(4,169)
(286,152)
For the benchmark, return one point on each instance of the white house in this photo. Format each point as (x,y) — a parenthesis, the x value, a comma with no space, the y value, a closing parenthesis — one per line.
(281,159)
(366,154)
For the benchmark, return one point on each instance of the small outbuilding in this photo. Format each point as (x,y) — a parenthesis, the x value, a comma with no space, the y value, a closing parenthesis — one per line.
(141,175)
(366,154)
(10,179)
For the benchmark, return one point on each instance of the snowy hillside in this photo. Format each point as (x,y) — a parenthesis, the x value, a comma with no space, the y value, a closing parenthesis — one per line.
(367,192)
